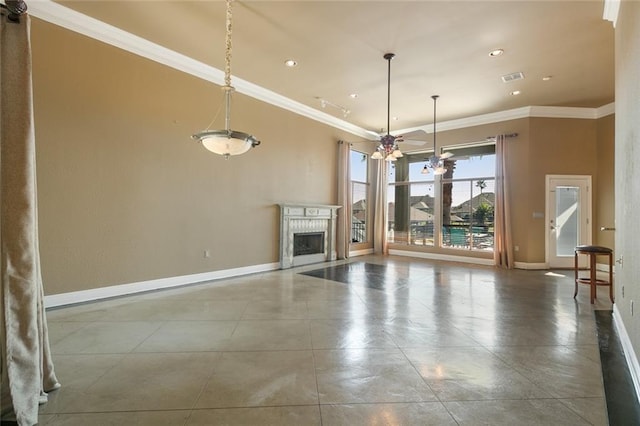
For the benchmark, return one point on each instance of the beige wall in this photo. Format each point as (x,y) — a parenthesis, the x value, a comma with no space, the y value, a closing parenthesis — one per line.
(604,189)
(125,195)
(627,172)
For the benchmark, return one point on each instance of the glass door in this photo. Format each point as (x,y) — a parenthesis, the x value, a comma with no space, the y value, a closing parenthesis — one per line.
(568,218)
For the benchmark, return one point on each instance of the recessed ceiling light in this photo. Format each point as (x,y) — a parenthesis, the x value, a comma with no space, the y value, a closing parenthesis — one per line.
(515,92)
(353,95)
(547,78)
(496,52)
(291,63)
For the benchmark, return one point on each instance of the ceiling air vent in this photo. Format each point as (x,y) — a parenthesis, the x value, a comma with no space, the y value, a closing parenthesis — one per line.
(512,77)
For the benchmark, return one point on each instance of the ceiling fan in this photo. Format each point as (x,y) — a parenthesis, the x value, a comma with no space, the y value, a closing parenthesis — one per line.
(389,147)
(436,162)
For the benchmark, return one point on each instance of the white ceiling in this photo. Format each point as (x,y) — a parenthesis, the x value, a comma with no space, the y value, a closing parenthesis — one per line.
(441,48)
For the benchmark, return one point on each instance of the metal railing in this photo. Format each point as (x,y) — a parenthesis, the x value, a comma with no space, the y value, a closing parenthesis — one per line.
(358,231)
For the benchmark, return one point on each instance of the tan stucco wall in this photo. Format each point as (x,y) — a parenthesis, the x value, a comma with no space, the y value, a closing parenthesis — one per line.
(604,189)
(627,172)
(125,195)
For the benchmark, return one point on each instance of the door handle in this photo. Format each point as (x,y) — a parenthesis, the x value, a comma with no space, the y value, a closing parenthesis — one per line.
(604,228)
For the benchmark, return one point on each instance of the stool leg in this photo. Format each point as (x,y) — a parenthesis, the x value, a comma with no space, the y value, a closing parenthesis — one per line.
(592,264)
(611,277)
(575,269)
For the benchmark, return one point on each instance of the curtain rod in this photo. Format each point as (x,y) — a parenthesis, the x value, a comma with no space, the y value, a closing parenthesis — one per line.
(16,9)
(489,140)
(508,135)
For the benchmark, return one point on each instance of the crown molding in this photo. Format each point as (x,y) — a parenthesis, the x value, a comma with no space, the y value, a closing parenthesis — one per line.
(57,14)
(611,11)
(605,110)
(518,113)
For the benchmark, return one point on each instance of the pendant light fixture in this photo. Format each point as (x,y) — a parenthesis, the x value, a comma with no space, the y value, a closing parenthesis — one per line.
(436,162)
(227,142)
(388,148)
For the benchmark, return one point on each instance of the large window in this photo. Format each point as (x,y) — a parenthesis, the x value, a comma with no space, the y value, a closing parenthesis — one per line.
(411,202)
(453,211)
(359,191)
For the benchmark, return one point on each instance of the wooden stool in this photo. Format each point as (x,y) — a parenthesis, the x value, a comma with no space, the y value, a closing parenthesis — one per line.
(593,252)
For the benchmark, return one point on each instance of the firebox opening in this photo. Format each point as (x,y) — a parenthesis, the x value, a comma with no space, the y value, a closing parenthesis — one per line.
(308,243)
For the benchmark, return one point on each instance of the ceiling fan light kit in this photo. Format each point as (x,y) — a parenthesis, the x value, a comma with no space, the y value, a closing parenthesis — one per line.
(227,142)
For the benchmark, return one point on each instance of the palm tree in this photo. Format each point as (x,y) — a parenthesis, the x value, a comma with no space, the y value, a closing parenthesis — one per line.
(480,183)
(483,213)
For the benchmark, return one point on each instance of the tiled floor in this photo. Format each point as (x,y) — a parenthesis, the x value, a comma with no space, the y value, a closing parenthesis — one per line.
(377,341)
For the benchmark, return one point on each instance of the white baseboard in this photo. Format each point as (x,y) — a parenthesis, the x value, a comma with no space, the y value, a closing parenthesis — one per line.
(629,353)
(542,265)
(81,296)
(446,257)
(364,252)
(525,265)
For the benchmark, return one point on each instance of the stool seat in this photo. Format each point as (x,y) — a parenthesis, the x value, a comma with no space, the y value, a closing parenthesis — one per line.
(594,249)
(592,252)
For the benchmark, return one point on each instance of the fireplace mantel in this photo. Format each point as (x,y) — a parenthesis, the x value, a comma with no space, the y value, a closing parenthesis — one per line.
(307,218)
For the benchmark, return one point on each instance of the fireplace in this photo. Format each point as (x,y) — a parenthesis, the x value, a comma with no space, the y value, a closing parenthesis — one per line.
(308,243)
(307,234)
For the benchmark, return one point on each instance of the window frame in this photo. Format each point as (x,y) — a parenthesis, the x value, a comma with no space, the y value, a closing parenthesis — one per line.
(403,237)
(367,198)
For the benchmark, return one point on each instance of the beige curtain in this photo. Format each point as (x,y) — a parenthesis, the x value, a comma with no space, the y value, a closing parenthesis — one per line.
(343,233)
(27,369)
(380,207)
(503,246)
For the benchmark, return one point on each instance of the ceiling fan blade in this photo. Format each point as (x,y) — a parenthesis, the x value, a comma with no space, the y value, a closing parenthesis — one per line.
(446,155)
(418,135)
(411,142)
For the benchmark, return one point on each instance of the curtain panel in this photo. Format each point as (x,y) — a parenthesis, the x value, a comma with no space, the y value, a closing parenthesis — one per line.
(343,233)
(503,244)
(380,245)
(27,368)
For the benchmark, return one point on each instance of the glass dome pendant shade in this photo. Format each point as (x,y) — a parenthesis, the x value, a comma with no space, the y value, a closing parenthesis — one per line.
(227,142)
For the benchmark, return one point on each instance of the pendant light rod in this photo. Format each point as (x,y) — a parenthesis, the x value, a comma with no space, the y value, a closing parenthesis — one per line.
(227,66)
(435,98)
(228,46)
(227,105)
(389,57)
